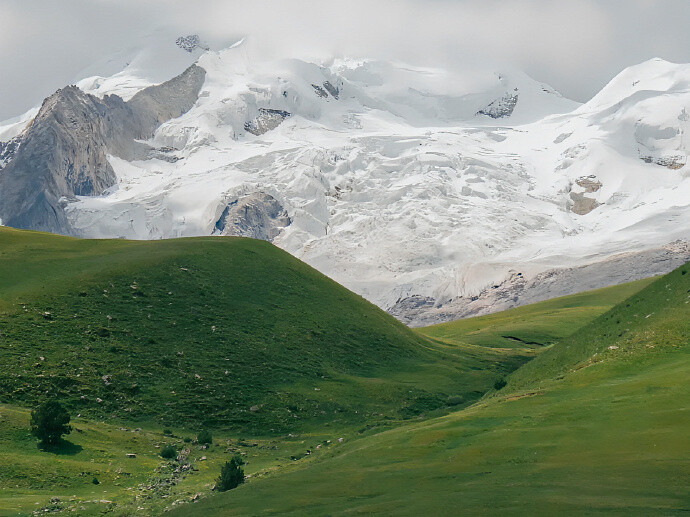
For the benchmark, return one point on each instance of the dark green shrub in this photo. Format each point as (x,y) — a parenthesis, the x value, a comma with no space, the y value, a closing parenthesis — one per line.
(187,439)
(95,481)
(49,422)
(455,400)
(204,437)
(231,475)
(500,384)
(167,432)
(169,452)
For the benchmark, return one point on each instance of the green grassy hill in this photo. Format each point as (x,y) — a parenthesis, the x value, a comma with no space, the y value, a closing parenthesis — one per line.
(655,318)
(536,325)
(597,424)
(281,363)
(223,332)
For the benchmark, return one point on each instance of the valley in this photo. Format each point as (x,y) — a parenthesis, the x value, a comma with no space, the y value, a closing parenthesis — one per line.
(279,260)
(109,328)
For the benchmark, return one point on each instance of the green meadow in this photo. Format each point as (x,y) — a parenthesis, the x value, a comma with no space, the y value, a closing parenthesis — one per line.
(573,433)
(573,405)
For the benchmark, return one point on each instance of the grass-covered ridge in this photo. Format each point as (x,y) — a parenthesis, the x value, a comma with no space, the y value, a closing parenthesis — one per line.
(221,332)
(597,424)
(656,318)
(536,325)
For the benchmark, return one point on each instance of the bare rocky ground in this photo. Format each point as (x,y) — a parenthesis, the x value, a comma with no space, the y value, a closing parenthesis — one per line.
(417,311)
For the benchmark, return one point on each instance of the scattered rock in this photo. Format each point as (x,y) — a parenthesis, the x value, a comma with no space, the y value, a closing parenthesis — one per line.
(670,162)
(320,91)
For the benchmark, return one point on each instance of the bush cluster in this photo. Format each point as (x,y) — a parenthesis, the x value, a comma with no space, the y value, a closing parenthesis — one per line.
(231,474)
(168,452)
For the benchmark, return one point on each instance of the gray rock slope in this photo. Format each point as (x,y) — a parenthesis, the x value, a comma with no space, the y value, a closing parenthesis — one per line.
(63,152)
(518,290)
(258,215)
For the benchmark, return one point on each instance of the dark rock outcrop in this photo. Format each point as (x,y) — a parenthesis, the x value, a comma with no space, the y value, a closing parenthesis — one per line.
(63,153)
(671,162)
(320,91)
(580,204)
(265,121)
(335,92)
(191,43)
(258,215)
(501,108)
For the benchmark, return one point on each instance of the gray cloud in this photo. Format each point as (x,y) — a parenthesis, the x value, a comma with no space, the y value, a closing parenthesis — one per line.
(575,46)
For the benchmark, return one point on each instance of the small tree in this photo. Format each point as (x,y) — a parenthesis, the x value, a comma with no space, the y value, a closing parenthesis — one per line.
(500,384)
(49,422)
(169,452)
(231,475)
(204,437)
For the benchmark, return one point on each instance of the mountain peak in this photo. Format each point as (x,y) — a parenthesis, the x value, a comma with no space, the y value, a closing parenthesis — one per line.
(191,43)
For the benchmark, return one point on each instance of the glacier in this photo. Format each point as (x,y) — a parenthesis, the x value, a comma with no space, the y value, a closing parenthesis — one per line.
(402,183)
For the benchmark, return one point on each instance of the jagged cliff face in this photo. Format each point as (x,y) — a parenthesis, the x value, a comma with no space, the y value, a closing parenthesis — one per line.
(64,151)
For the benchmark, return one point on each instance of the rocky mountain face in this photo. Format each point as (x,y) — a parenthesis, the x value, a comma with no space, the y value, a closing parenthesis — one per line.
(258,216)
(434,194)
(520,289)
(502,107)
(64,151)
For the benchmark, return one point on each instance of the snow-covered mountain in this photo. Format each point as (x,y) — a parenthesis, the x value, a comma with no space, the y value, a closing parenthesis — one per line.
(414,187)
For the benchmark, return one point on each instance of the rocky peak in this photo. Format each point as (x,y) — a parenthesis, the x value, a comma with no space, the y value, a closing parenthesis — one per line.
(191,43)
(63,152)
(501,108)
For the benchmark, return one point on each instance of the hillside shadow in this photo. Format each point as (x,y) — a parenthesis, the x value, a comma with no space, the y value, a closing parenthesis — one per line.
(64,448)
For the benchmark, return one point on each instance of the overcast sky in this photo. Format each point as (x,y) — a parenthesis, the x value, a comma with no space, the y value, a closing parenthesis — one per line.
(577,46)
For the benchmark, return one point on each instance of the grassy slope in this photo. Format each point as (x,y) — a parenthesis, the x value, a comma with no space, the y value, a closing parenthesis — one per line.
(194,332)
(574,433)
(30,478)
(655,317)
(535,325)
(330,365)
